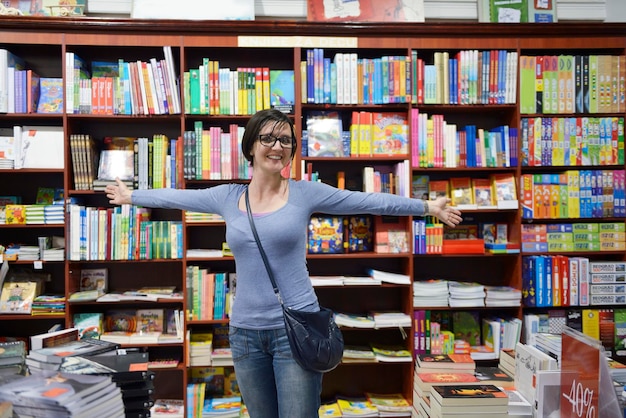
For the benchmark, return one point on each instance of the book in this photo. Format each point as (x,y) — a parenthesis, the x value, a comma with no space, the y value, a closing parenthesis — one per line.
(131,366)
(461,193)
(50,95)
(173,408)
(150,320)
(282,90)
(53,338)
(469,395)
(391,353)
(508,12)
(115,163)
(445,361)
(389,402)
(94,279)
(483,193)
(42,147)
(504,191)
(12,353)
(56,354)
(423,381)
(89,324)
(324,135)
(356,407)
(17,297)
(494,376)
(325,235)
(63,394)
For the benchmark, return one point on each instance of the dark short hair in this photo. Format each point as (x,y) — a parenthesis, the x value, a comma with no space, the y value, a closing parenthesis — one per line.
(258,121)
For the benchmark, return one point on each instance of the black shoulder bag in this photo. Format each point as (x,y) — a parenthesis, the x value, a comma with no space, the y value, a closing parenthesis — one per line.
(314,337)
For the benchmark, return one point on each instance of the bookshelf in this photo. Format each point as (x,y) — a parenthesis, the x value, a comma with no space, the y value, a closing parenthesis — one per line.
(44,42)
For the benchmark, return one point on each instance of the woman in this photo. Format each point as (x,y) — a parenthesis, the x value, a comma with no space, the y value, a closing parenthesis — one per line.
(272,384)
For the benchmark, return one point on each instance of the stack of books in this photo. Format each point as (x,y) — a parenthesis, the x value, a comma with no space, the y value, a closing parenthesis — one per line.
(390,319)
(200,348)
(503,296)
(59,394)
(430,293)
(466,294)
(390,404)
(468,401)
(128,371)
(12,358)
(50,358)
(506,362)
(441,369)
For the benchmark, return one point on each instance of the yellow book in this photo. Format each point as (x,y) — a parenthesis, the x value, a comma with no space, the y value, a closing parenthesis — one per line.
(430,143)
(365,134)
(265,80)
(330,410)
(206,154)
(356,407)
(354,135)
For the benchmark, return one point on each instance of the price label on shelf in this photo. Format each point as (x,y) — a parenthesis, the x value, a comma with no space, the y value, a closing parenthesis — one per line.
(580,375)
(38,265)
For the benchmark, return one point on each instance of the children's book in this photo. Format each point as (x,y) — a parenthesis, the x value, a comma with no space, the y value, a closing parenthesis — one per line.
(483,193)
(94,279)
(324,130)
(330,410)
(391,353)
(221,406)
(389,402)
(438,188)
(356,407)
(504,190)
(419,187)
(282,90)
(150,320)
(17,297)
(359,233)
(390,133)
(461,193)
(50,95)
(124,320)
(89,324)
(326,235)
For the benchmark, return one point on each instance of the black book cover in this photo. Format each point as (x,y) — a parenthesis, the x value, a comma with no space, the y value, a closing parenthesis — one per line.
(129,367)
(132,404)
(139,413)
(137,389)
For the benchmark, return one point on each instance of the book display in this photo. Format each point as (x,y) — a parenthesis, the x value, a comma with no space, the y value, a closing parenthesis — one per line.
(464,117)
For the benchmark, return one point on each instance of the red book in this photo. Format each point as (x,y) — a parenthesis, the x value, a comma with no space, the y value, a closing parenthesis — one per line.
(447,361)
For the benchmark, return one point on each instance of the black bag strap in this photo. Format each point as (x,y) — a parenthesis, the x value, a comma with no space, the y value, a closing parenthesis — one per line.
(261,250)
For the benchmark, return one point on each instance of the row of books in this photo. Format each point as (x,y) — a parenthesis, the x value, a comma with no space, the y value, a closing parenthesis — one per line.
(571,281)
(463,332)
(436,143)
(121,233)
(575,141)
(572,84)
(565,237)
(120,87)
(574,194)
(22,90)
(496,191)
(209,294)
(19,214)
(141,163)
(468,77)
(439,292)
(369,134)
(213,90)
(339,234)
(212,153)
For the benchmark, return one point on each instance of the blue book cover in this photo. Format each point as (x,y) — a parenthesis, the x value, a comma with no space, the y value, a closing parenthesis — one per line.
(50,95)
(282,89)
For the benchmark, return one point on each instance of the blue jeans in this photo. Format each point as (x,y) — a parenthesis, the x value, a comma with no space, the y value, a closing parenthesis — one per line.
(272,384)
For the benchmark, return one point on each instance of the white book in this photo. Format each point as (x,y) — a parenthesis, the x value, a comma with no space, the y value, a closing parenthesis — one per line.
(528,361)
(42,147)
(388,277)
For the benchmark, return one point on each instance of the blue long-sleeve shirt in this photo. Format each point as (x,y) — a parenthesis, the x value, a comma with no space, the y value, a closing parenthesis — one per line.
(284,237)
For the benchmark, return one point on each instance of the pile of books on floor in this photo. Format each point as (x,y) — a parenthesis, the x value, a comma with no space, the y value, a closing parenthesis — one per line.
(12,358)
(128,370)
(57,394)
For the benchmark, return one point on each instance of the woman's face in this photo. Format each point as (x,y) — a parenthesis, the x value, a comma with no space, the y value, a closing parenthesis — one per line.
(273,147)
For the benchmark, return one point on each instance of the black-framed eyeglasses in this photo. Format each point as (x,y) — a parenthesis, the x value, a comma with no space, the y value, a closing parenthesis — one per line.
(269,140)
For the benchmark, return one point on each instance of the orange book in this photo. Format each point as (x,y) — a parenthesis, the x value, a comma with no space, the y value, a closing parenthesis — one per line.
(438,188)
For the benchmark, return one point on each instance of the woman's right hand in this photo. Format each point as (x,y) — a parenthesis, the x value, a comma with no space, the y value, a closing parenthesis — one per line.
(118,194)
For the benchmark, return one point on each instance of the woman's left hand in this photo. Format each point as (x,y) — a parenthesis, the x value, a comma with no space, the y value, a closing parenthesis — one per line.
(446,214)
